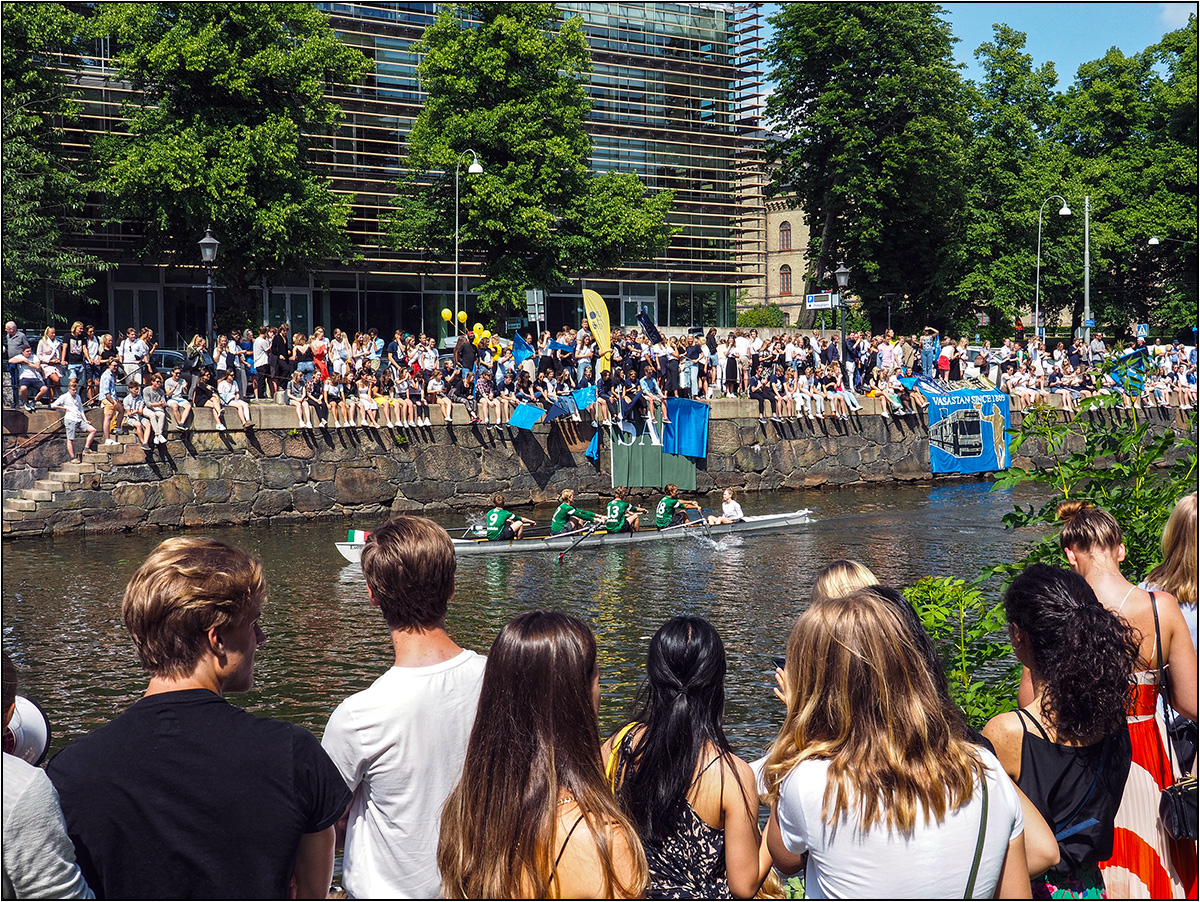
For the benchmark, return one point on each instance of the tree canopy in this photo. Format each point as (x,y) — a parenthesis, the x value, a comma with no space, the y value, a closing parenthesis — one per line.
(43,190)
(871,122)
(506,80)
(929,185)
(231,103)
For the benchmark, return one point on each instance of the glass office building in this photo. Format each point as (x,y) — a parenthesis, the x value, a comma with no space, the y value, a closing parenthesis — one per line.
(675,93)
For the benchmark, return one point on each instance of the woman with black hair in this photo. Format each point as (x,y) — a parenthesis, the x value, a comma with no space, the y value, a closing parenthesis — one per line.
(1068,749)
(694,802)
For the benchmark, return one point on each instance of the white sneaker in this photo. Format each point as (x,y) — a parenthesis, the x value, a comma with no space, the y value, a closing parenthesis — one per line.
(159,440)
(111,441)
(220,427)
(413,424)
(322,423)
(390,426)
(426,422)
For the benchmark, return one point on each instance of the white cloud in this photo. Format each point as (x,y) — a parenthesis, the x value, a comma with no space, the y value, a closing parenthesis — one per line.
(1175,15)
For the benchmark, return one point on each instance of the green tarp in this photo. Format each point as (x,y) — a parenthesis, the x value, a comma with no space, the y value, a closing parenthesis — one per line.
(641,464)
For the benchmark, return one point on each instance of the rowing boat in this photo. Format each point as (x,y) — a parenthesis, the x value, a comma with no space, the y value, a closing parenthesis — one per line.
(352,551)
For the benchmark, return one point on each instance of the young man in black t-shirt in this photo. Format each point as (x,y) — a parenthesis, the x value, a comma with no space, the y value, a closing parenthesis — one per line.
(185,795)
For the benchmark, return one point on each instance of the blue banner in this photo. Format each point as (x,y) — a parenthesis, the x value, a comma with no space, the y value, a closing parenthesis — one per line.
(521,349)
(687,433)
(525,416)
(968,431)
(1129,371)
(559,346)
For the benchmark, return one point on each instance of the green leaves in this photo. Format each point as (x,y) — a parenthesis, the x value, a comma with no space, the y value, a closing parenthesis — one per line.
(511,89)
(43,189)
(233,107)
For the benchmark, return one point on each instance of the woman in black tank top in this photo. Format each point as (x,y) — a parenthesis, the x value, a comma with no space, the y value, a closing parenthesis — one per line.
(1069,749)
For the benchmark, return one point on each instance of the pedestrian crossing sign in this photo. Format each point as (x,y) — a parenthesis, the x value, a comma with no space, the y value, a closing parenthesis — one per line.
(1143,330)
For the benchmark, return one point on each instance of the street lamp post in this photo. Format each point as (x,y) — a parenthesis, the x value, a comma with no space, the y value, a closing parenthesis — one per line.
(1037,283)
(473,169)
(843,279)
(1087,269)
(208,256)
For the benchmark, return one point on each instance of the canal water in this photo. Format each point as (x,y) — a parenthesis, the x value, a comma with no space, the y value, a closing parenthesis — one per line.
(62,600)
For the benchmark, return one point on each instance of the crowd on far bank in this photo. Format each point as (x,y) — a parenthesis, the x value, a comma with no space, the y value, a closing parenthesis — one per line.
(344,380)
(468,777)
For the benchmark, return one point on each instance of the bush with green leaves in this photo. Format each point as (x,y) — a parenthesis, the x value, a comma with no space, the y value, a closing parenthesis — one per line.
(762,316)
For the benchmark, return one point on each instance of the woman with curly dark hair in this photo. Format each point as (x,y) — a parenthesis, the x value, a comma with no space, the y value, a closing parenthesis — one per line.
(1068,749)
(1146,862)
(694,802)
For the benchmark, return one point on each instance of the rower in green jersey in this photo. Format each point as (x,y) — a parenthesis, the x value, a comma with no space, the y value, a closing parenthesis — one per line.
(503,525)
(622,515)
(671,511)
(568,516)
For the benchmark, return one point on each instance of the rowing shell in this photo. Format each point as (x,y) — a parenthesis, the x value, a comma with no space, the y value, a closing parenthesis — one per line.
(352,551)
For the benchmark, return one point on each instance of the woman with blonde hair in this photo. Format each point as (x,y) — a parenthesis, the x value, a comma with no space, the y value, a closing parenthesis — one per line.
(869,776)
(1177,572)
(533,816)
(840,578)
(1146,862)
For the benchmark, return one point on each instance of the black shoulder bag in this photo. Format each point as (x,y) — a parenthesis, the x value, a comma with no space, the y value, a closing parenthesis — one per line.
(1177,806)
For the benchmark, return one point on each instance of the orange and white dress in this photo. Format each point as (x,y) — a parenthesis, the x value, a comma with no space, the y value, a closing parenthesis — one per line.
(1146,862)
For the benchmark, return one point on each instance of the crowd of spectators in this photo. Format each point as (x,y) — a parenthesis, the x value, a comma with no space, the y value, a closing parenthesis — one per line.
(456,775)
(346,380)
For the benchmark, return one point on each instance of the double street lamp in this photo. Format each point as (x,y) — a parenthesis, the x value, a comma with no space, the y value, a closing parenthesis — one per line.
(1037,284)
(473,169)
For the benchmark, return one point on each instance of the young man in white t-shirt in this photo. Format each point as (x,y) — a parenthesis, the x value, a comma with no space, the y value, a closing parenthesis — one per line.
(400,743)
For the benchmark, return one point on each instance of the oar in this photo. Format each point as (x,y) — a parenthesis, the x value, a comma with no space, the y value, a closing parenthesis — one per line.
(587,532)
(704,523)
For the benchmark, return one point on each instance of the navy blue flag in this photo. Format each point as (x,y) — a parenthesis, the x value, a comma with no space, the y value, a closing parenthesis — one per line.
(557,409)
(649,328)
(521,349)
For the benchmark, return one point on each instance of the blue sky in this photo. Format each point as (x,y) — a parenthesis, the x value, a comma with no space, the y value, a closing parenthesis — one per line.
(1068,34)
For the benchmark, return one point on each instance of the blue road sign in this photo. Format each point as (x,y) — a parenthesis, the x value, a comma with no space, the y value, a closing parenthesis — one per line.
(1089,324)
(1142,331)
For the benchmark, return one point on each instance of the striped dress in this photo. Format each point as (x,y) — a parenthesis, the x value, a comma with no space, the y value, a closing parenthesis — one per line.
(1146,863)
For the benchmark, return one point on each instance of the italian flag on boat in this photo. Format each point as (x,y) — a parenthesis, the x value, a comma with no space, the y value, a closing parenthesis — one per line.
(356,535)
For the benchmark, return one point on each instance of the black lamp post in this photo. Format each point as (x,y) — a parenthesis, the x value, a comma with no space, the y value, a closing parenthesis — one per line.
(843,279)
(208,256)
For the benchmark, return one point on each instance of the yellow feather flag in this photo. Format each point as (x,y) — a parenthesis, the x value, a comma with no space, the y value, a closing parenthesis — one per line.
(597,314)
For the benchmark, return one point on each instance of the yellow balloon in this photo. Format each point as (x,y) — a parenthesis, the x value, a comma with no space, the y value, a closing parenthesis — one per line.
(462,316)
(447,314)
(477,328)
(487,334)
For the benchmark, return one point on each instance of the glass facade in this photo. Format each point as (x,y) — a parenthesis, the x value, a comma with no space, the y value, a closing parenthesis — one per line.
(675,99)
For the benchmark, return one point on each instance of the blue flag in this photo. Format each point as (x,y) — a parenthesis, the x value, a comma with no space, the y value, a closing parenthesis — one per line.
(559,346)
(1129,370)
(521,349)
(525,416)
(584,397)
(593,450)
(687,433)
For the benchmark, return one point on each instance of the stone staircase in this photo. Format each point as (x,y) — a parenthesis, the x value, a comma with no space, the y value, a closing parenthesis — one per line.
(74,474)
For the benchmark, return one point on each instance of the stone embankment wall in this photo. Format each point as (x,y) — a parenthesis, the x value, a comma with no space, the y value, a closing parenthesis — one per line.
(203,478)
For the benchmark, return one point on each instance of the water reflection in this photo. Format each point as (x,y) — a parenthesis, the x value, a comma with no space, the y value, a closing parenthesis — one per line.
(62,601)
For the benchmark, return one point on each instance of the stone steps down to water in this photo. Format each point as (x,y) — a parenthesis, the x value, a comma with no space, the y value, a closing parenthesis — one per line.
(276,471)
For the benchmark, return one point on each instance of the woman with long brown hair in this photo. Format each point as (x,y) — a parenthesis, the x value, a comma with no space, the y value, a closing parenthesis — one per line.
(871,779)
(1146,862)
(533,816)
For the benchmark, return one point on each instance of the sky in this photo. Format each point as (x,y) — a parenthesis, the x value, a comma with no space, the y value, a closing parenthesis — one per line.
(1068,34)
